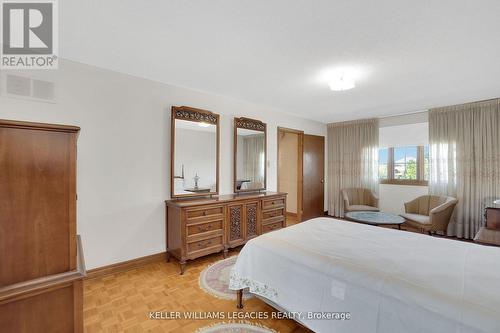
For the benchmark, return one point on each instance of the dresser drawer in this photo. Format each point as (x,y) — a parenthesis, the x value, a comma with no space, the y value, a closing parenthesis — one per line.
(273,226)
(273,213)
(201,227)
(273,203)
(207,213)
(205,244)
(273,219)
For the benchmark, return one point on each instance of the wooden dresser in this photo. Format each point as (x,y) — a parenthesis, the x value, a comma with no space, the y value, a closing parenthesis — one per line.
(197,227)
(41,262)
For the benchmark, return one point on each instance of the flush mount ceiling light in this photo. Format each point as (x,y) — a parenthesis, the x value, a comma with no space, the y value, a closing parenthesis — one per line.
(342,83)
(342,77)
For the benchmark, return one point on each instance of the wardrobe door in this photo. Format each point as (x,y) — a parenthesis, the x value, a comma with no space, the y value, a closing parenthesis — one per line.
(37,201)
(41,266)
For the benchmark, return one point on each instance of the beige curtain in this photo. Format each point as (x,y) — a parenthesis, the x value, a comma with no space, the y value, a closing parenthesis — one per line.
(254,153)
(464,144)
(352,159)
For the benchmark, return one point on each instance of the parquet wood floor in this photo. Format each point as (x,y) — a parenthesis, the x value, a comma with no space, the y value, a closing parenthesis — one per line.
(122,302)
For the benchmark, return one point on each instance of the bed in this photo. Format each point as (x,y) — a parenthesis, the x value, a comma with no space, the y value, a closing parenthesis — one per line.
(386,280)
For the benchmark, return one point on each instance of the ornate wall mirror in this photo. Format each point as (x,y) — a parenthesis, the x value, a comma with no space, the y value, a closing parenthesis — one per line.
(249,155)
(194,160)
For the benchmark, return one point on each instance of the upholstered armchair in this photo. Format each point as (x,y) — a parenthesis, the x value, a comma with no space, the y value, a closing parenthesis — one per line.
(359,199)
(430,213)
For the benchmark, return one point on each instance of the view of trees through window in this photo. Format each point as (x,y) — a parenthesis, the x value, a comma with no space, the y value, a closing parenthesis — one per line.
(409,163)
(405,163)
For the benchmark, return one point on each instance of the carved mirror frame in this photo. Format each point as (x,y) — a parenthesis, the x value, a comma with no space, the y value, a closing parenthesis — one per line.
(199,116)
(255,125)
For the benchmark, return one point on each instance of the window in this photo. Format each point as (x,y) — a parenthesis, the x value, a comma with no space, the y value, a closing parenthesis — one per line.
(382,163)
(407,165)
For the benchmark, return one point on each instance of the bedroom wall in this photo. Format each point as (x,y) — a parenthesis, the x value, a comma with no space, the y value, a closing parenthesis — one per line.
(124,151)
(399,131)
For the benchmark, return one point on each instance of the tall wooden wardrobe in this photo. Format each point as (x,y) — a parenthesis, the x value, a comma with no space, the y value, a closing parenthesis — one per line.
(41,261)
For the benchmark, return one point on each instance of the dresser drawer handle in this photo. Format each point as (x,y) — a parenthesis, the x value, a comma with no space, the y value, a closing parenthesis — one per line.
(203,229)
(204,244)
(204,213)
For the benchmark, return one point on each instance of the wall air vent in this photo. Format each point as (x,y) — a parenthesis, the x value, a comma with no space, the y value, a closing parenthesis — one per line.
(29,88)
(43,90)
(18,85)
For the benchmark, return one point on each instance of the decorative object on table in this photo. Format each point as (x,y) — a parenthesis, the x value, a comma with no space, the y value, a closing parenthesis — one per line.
(359,199)
(497,202)
(430,213)
(196,179)
(215,279)
(375,218)
(241,327)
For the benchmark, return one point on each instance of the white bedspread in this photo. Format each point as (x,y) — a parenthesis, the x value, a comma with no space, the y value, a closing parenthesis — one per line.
(388,280)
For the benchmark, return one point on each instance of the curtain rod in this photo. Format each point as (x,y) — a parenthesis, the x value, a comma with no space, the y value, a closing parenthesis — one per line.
(497,99)
(436,107)
(404,114)
(356,121)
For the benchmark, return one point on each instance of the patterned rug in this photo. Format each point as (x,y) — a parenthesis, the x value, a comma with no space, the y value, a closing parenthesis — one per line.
(215,280)
(235,328)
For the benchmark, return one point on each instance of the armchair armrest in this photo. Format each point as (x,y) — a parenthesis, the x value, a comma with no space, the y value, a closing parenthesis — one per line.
(440,216)
(443,206)
(411,207)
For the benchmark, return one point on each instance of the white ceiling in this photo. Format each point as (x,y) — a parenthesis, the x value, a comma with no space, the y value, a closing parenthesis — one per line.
(413,54)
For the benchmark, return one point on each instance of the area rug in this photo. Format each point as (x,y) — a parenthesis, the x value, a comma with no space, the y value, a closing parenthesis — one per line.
(215,280)
(235,328)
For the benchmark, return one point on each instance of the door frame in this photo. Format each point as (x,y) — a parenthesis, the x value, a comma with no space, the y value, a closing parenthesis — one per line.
(300,161)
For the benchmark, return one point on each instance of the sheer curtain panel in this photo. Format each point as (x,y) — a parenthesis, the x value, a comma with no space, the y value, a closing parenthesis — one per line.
(352,159)
(465,160)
